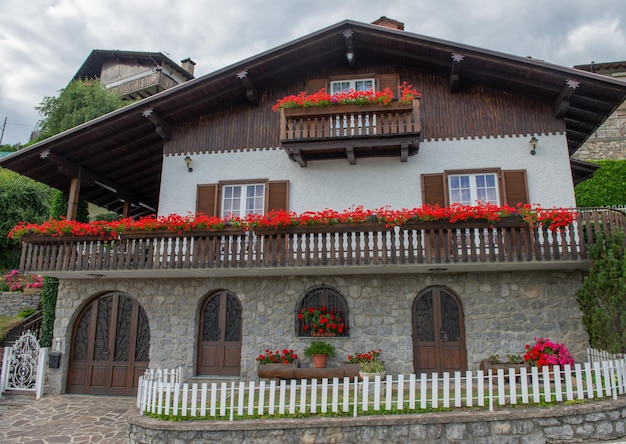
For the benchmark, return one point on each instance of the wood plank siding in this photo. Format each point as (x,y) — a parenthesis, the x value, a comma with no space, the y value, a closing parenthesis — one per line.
(433,245)
(473,111)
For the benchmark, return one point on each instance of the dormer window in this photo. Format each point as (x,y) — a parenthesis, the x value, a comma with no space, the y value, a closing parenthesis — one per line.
(339,86)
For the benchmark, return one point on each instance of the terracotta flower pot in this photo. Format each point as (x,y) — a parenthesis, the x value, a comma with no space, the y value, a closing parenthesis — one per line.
(319,361)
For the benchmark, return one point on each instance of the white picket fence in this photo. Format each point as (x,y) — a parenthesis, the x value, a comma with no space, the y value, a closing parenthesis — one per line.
(400,392)
(595,355)
(171,376)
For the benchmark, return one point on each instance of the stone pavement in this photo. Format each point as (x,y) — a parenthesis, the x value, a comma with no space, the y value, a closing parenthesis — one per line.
(64,419)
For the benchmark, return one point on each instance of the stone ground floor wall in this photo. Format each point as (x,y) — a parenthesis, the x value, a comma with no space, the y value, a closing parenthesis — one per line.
(503,312)
(593,421)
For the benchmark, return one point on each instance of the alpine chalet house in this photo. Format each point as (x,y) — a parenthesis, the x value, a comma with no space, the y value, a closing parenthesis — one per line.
(457,124)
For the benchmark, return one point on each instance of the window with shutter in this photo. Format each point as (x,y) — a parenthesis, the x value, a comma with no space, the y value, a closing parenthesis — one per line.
(240,198)
(495,186)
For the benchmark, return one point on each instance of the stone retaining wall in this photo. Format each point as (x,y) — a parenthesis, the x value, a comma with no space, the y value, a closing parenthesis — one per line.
(11,303)
(594,420)
(602,149)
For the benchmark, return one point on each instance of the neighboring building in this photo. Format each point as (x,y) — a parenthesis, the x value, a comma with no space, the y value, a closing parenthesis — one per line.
(135,74)
(432,297)
(608,142)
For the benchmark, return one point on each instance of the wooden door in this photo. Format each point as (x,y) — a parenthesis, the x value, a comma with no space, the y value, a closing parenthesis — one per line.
(219,344)
(438,332)
(110,347)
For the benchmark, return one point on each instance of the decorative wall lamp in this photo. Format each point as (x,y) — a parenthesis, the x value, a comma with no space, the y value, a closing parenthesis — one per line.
(188,163)
(533,145)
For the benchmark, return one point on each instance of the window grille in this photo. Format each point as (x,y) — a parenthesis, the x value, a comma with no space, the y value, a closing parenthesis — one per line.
(319,297)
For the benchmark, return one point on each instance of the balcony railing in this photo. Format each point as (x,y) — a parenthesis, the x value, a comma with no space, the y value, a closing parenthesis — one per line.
(362,248)
(145,86)
(351,131)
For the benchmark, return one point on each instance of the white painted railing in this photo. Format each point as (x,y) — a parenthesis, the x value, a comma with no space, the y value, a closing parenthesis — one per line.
(398,393)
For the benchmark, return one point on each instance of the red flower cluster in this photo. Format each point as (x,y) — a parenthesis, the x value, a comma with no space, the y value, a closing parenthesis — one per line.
(287,356)
(546,352)
(554,219)
(351,97)
(359,358)
(321,320)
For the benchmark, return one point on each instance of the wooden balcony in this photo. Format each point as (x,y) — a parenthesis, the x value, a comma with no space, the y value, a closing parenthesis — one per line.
(142,87)
(355,249)
(351,131)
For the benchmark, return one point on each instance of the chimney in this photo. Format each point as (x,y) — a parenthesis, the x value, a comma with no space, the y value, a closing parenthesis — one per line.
(188,65)
(389,23)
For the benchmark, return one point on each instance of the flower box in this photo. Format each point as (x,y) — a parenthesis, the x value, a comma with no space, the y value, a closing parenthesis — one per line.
(315,111)
(280,371)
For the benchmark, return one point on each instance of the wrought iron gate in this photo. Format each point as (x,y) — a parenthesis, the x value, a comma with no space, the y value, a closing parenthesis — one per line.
(23,365)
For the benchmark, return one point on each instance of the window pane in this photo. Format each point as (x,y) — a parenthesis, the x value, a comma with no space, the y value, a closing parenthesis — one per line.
(231,205)
(363,85)
(254,199)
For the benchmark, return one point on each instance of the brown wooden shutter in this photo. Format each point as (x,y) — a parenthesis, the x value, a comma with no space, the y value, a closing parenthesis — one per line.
(391,81)
(278,195)
(434,190)
(515,187)
(314,85)
(206,200)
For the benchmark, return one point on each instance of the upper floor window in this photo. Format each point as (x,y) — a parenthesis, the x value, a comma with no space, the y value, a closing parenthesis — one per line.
(338,86)
(241,200)
(468,189)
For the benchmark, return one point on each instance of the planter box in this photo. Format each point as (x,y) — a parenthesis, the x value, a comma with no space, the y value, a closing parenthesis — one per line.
(486,366)
(280,371)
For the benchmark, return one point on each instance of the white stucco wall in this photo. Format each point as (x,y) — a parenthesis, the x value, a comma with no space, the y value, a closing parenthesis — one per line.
(374,182)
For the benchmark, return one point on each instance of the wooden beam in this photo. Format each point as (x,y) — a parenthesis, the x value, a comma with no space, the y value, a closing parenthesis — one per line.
(162,128)
(561,104)
(297,156)
(73,198)
(350,54)
(252,94)
(126,210)
(89,178)
(455,78)
(350,154)
(404,152)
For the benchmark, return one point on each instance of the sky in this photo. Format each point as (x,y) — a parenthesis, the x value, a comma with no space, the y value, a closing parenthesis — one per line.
(44,42)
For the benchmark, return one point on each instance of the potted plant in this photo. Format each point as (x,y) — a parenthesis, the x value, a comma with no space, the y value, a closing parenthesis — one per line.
(319,352)
(369,363)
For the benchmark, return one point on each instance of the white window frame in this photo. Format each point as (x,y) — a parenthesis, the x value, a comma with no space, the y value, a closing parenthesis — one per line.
(352,84)
(243,211)
(473,188)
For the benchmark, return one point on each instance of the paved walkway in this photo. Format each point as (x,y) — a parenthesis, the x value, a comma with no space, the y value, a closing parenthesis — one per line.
(64,419)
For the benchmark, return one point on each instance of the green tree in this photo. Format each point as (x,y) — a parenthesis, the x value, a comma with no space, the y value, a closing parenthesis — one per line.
(602,297)
(10,148)
(21,200)
(606,188)
(79,102)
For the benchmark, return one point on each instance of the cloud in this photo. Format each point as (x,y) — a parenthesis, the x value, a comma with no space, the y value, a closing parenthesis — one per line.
(44,42)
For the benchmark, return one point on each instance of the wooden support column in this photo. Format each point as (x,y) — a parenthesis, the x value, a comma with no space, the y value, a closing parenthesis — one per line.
(72,200)
(126,209)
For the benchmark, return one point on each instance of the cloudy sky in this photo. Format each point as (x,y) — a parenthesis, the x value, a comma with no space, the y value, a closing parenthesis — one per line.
(44,42)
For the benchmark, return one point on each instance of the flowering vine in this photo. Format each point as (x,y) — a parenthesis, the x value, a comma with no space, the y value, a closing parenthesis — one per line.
(534,215)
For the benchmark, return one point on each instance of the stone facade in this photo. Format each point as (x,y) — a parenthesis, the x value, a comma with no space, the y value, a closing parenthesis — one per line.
(593,421)
(11,303)
(503,312)
(602,149)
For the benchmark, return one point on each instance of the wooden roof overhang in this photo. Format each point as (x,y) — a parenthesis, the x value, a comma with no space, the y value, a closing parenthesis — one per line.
(118,156)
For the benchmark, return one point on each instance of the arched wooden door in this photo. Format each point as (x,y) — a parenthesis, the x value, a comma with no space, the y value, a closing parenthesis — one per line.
(438,332)
(219,344)
(110,347)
